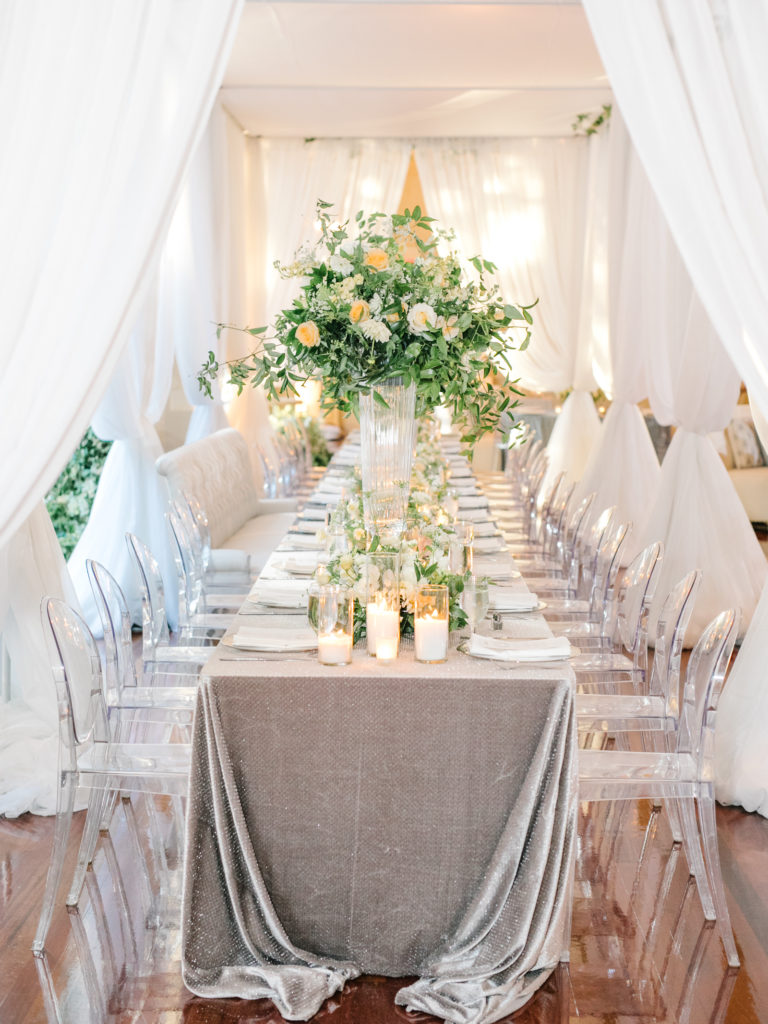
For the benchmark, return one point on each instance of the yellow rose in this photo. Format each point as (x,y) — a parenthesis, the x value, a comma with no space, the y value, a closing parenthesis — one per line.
(377,259)
(359,311)
(308,334)
(393,317)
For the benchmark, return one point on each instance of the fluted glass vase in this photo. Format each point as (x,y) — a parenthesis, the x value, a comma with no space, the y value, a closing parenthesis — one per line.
(387,436)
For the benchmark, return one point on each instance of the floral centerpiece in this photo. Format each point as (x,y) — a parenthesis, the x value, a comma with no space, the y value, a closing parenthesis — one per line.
(378,303)
(423,550)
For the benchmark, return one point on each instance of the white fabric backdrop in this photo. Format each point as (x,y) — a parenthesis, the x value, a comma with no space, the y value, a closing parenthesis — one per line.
(523,204)
(703,67)
(623,469)
(87,202)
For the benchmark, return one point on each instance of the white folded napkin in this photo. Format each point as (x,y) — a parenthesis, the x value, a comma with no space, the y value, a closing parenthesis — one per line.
(485,529)
(274,638)
(313,513)
(305,541)
(496,568)
(325,497)
(475,515)
(507,649)
(512,599)
(487,543)
(281,593)
(473,501)
(304,526)
(302,563)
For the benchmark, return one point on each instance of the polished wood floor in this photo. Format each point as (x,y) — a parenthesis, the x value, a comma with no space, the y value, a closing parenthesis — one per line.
(641,951)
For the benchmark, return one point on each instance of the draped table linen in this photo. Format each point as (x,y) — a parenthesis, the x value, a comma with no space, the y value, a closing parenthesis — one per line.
(400,819)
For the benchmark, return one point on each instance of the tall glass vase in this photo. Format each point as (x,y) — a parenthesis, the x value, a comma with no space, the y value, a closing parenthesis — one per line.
(387,436)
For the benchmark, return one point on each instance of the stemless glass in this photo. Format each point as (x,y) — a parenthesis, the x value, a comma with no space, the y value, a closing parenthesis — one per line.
(475,600)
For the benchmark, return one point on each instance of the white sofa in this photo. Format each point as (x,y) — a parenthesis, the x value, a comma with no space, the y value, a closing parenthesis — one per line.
(217,471)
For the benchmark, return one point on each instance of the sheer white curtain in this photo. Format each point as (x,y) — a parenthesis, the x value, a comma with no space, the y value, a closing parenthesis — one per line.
(131,495)
(691,80)
(285,178)
(523,203)
(101,106)
(623,469)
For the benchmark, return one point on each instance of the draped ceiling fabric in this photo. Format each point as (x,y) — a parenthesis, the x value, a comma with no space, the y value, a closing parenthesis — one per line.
(691,80)
(135,83)
(623,469)
(284,180)
(523,204)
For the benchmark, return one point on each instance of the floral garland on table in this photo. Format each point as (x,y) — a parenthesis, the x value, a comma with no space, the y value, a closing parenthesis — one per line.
(423,551)
(383,303)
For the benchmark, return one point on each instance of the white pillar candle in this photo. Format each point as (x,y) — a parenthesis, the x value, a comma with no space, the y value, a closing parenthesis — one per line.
(334,648)
(431,638)
(386,648)
(380,621)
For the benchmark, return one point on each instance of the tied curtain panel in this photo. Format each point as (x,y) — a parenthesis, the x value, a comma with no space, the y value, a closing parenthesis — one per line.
(691,80)
(284,180)
(623,469)
(524,204)
(94,167)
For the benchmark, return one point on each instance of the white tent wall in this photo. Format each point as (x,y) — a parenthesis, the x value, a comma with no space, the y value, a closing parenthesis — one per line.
(703,65)
(135,83)
(523,204)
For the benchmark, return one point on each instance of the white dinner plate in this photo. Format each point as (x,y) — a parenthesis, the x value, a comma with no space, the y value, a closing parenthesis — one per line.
(228,641)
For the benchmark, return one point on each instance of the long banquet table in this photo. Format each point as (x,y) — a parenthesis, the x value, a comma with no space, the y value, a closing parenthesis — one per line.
(402,819)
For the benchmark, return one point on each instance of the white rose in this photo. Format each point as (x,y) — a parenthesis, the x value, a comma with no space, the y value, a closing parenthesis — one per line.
(421,318)
(340,265)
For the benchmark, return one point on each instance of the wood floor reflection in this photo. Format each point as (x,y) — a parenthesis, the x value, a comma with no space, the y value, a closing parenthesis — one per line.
(641,950)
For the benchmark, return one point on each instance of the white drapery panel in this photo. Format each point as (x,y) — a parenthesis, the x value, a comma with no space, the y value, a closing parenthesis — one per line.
(623,469)
(134,83)
(284,180)
(704,66)
(31,566)
(131,495)
(523,204)
(195,293)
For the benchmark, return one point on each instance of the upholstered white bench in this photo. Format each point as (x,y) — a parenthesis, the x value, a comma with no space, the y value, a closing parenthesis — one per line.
(217,472)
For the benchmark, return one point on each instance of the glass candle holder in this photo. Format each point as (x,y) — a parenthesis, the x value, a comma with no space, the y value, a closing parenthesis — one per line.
(382,608)
(334,606)
(430,623)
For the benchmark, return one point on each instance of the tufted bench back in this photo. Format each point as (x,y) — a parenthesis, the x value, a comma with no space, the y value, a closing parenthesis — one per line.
(217,471)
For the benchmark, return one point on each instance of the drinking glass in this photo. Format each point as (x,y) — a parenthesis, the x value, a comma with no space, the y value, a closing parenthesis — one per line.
(475,601)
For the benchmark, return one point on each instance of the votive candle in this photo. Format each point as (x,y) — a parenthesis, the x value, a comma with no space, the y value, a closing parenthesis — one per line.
(334,648)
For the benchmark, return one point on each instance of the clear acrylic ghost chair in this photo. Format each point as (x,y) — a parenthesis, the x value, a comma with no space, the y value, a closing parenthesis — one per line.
(123,691)
(88,757)
(225,569)
(635,594)
(571,548)
(196,601)
(552,561)
(683,775)
(594,615)
(156,647)
(533,539)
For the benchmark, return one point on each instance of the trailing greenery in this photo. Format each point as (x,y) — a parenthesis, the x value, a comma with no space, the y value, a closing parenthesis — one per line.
(590,124)
(71,497)
(383,303)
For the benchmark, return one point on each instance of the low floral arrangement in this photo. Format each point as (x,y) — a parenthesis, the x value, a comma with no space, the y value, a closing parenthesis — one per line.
(423,550)
(382,303)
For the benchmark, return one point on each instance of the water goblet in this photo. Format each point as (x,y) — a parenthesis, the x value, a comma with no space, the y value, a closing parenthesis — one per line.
(475,600)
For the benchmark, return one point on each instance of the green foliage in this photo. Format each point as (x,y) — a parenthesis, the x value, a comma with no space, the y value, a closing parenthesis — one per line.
(590,124)
(321,453)
(71,497)
(383,303)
